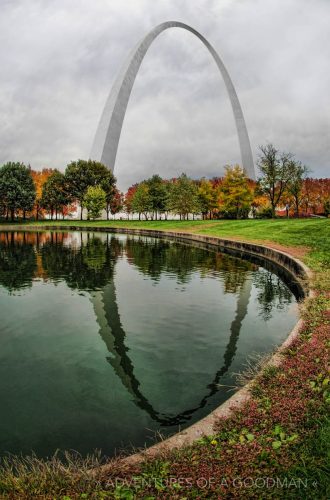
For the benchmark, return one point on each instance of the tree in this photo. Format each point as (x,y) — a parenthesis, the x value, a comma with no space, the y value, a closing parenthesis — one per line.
(157,194)
(276,173)
(39,179)
(108,184)
(326,207)
(128,201)
(54,194)
(94,201)
(315,193)
(142,202)
(298,173)
(167,188)
(236,195)
(82,174)
(207,197)
(117,202)
(183,198)
(17,189)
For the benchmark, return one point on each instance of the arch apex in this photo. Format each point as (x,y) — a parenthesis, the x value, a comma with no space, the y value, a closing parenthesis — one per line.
(107,136)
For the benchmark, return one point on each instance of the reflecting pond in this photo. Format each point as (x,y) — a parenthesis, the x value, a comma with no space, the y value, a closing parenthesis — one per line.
(107,339)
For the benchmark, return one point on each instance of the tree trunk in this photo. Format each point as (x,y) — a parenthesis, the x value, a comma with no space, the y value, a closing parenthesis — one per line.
(273,211)
(81,212)
(297,206)
(12,213)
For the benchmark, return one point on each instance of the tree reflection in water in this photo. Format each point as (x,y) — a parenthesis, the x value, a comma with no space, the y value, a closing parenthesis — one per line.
(87,261)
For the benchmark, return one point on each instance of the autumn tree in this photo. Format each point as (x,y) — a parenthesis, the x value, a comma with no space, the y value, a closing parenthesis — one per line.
(315,193)
(128,200)
(94,201)
(207,197)
(117,202)
(236,194)
(275,174)
(39,178)
(17,189)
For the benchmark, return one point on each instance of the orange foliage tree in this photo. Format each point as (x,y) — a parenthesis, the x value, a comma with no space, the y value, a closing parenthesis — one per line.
(315,194)
(39,178)
(129,199)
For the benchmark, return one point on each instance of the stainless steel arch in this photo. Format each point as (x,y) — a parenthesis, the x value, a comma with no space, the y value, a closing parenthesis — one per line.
(108,132)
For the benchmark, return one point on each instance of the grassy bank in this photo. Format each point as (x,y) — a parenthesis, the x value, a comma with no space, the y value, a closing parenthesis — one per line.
(274,446)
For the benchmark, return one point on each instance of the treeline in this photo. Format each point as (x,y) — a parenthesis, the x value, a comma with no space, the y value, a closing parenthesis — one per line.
(283,184)
(89,184)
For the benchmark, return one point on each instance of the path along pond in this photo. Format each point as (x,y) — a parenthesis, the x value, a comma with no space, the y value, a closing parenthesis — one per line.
(107,339)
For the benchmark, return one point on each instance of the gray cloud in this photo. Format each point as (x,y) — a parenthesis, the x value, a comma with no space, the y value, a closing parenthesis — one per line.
(59,59)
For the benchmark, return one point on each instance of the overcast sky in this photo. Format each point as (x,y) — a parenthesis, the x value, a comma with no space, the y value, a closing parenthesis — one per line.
(59,59)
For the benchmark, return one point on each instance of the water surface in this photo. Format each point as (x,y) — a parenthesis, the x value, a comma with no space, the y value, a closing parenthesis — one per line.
(106,339)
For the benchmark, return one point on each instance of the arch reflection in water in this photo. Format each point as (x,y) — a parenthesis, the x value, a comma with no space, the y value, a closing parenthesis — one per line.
(113,335)
(172,362)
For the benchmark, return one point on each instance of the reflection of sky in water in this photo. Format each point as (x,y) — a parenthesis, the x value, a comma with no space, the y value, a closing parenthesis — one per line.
(103,338)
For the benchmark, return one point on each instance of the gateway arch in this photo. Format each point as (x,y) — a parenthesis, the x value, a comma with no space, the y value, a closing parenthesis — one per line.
(107,136)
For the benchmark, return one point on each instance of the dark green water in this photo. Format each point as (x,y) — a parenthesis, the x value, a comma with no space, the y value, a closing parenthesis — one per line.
(106,339)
